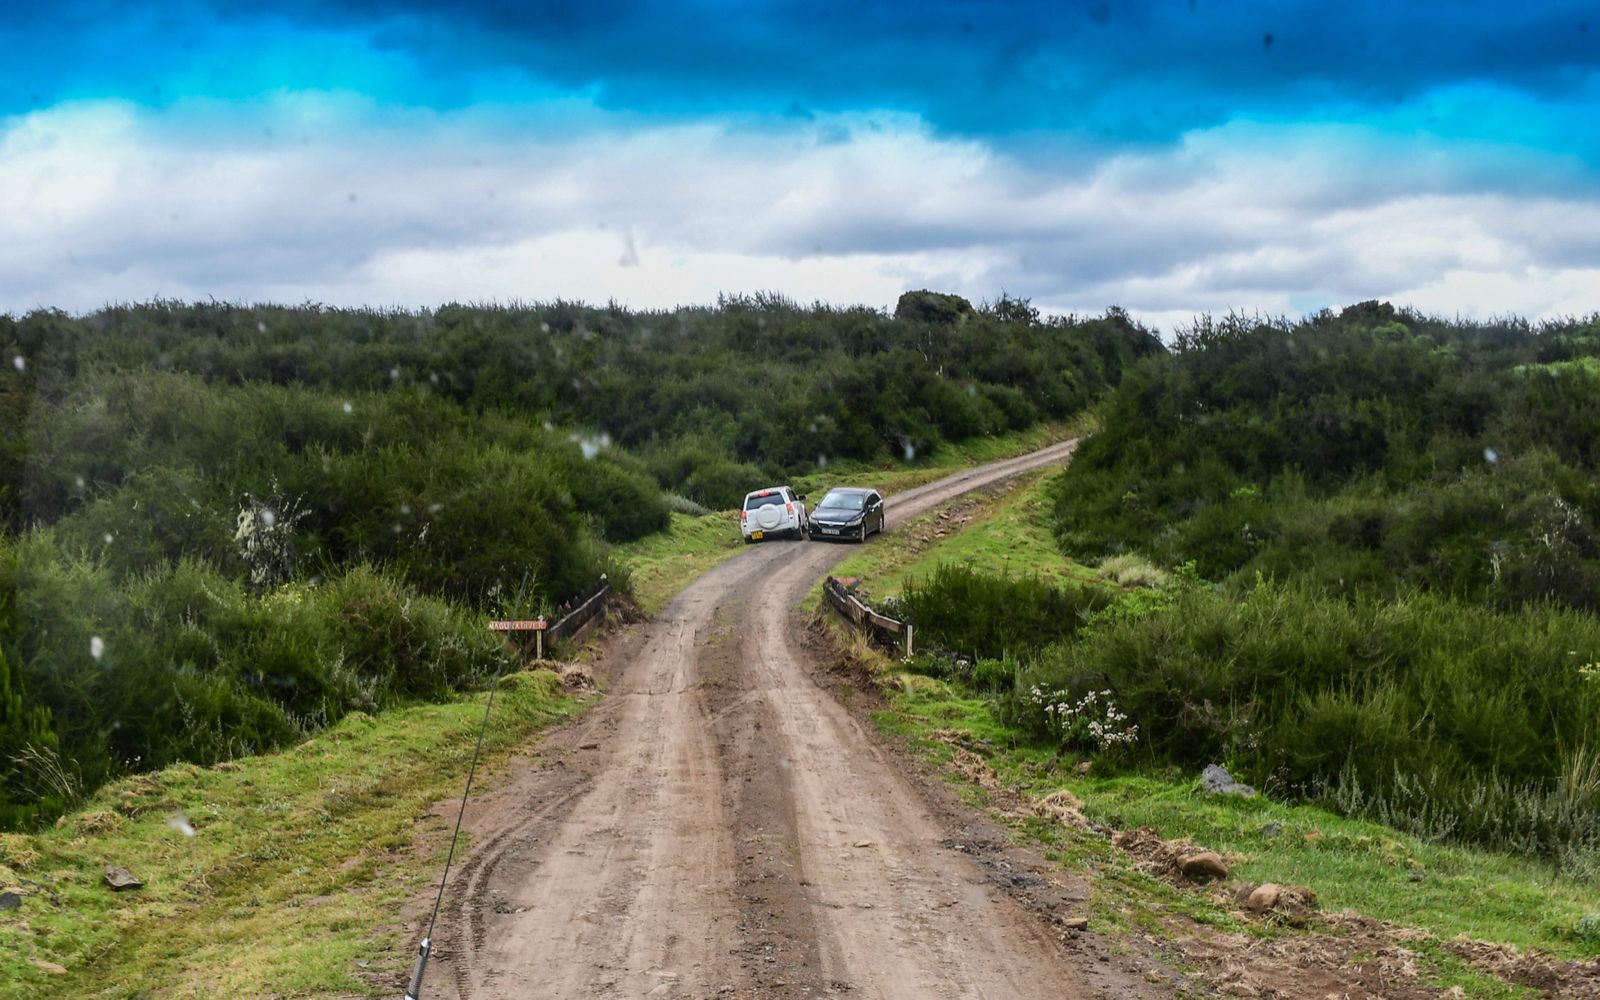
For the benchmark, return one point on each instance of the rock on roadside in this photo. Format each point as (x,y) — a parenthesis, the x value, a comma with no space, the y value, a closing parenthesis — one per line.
(1216,780)
(1293,904)
(120,879)
(1202,866)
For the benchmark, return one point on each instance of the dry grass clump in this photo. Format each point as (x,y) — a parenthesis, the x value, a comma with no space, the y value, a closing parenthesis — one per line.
(17,851)
(1130,570)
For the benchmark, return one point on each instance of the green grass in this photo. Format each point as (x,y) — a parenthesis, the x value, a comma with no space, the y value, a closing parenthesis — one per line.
(300,865)
(660,565)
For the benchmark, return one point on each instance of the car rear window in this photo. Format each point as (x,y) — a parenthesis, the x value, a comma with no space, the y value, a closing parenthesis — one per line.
(842,501)
(770,500)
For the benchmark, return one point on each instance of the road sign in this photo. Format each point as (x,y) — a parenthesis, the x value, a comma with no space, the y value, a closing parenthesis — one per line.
(537,625)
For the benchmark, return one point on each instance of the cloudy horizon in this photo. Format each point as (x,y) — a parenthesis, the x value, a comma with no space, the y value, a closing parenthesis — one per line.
(1170,160)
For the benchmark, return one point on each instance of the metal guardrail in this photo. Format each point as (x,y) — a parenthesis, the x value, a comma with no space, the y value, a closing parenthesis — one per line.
(882,627)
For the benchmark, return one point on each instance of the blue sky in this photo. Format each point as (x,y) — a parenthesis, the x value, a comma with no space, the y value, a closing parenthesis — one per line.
(1172,158)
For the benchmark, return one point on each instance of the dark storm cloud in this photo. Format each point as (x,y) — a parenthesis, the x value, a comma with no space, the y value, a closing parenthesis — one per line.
(1099,70)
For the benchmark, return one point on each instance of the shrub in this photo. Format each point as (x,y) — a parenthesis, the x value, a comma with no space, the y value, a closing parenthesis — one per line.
(683,505)
(26,742)
(153,517)
(988,617)
(1131,570)
(1419,711)
(184,664)
(403,645)
(994,674)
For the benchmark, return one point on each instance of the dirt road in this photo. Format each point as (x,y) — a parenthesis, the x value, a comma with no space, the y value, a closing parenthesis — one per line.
(721,826)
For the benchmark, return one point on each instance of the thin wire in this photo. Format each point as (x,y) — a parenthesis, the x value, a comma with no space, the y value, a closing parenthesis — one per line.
(466,793)
(473,770)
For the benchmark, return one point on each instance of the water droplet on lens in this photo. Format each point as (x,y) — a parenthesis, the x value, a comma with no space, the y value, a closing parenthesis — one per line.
(911,451)
(97,647)
(348,408)
(19,363)
(394,373)
(1490,455)
(268,518)
(108,538)
(180,822)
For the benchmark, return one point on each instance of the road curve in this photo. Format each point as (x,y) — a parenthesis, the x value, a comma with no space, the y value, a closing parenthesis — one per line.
(721,826)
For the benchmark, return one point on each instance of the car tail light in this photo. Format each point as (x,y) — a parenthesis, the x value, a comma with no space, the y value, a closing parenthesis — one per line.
(789,507)
(744,515)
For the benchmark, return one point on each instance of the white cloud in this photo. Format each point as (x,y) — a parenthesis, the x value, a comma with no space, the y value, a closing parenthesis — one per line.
(417,208)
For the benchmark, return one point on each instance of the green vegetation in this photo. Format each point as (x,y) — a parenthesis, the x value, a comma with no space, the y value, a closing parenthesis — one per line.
(1356,565)
(1415,879)
(1447,721)
(285,874)
(963,610)
(1374,452)
(1398,513)
(223,528)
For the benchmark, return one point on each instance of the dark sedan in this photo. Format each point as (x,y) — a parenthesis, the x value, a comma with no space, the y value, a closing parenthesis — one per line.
(847,512)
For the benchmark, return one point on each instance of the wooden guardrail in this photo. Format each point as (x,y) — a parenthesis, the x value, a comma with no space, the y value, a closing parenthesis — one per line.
(587,610)
(569,625)
(882,627)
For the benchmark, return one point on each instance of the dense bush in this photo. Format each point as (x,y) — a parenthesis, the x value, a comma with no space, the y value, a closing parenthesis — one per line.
(1374,450)
(1436,715)
(759,381)
(184,663)
(990,617)
(1400,513)
(25,735)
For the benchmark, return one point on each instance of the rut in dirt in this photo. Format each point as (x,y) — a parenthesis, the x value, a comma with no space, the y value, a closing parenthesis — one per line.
(721,826)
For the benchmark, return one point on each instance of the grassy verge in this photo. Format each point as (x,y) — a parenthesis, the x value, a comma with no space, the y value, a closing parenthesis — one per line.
(660,565)
(1350,864)
(281,875)
(1444,891)
(1002,531)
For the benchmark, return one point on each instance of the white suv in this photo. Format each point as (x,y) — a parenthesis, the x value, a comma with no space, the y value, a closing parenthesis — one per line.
(776,510)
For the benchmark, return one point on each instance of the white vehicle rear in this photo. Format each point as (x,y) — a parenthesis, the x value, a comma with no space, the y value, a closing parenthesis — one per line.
(776,510)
